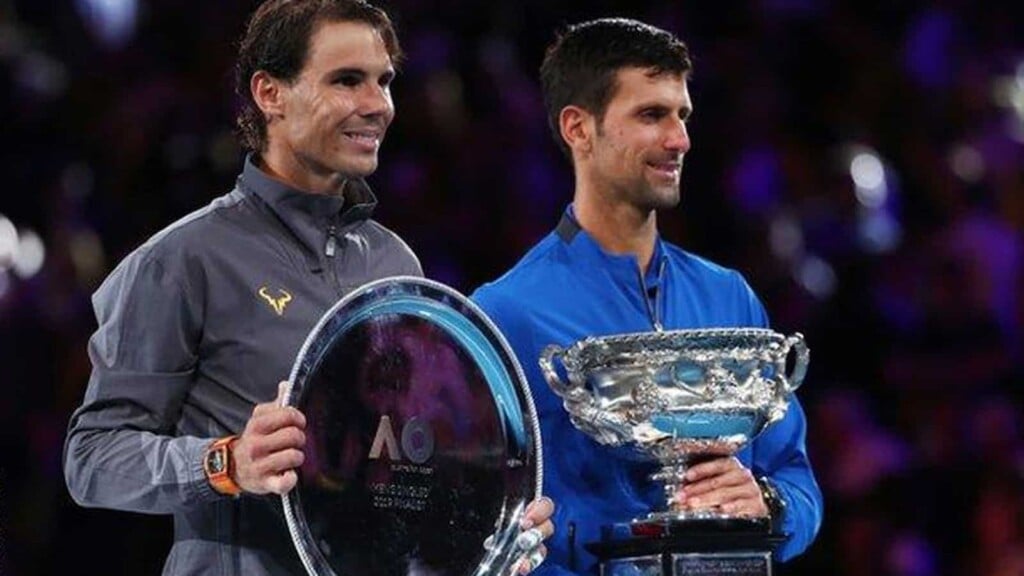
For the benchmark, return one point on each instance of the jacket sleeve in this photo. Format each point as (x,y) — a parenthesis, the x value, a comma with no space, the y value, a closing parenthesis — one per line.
(121,451)
(780,453)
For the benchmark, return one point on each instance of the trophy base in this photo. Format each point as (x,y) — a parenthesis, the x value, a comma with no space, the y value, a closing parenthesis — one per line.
(735,546)
(697,519)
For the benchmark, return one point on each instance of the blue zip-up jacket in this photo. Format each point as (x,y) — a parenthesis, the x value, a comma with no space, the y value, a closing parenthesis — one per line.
(567,288)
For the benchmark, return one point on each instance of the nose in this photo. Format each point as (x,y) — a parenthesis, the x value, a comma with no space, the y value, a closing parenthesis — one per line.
(678,138)
(376,101)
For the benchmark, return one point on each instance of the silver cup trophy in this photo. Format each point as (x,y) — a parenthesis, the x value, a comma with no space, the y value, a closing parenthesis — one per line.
(678,397)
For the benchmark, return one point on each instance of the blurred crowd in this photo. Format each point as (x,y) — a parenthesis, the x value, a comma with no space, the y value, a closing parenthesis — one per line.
(862,163)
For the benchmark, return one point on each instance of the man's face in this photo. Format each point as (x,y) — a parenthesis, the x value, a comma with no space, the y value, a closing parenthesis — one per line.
(334,115)
(639,145)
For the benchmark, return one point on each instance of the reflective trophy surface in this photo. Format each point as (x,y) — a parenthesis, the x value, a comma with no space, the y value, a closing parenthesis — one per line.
(677,398)
(422,442)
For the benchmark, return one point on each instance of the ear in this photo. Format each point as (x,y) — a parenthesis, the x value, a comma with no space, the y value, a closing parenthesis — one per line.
(267,93)
(577,128)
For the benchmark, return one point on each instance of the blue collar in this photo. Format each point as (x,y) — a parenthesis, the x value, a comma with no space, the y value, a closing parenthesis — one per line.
(622,266)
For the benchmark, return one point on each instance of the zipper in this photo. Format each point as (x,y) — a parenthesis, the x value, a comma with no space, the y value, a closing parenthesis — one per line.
(653,310)
(330,251)
(332,242)
(572,546)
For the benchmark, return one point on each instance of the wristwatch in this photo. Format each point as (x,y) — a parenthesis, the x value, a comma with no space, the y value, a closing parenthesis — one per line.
(772,499)
(217,464)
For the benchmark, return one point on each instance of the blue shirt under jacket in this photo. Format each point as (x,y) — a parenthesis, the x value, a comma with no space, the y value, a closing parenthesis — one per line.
(567,288)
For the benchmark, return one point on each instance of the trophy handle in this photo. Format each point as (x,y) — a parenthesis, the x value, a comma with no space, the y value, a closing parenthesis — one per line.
(547,367)
(604,427)
(794,379)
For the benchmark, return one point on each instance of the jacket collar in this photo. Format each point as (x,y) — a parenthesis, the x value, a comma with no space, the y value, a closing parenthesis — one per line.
(623,267)
(306,215)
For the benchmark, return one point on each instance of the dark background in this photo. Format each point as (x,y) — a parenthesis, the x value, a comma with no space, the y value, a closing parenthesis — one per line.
(860,162)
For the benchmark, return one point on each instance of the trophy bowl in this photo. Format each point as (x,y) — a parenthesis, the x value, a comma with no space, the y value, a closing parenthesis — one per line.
(677,397)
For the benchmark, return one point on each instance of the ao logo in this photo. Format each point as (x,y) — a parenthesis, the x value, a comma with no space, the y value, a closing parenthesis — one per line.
(417,441)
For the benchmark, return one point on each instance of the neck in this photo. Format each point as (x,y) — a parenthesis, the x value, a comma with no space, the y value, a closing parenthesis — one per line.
(618,227)
(288,169)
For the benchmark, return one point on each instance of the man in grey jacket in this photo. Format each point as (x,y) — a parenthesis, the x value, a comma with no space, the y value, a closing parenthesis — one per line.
(198,325)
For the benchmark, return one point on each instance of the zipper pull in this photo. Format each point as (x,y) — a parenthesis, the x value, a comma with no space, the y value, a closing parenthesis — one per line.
(332,243)
(572,546)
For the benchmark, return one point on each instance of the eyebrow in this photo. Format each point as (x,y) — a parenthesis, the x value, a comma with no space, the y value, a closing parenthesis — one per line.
(360,72)
(685,111)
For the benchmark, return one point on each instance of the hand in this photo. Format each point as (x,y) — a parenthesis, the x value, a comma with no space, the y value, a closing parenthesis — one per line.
(725,484)
(537,527)
(270,448)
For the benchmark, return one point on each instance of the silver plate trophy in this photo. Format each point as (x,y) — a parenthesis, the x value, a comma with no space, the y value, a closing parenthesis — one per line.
(675,397)
(422,446)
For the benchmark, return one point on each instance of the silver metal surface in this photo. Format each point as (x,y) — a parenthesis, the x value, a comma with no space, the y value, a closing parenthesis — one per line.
(423,446)
(677,396)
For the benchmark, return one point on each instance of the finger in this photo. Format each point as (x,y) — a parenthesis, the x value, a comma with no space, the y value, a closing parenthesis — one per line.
(284,390)
(282,483)
(537,512)
(280,462)
(711,468)
(547,529)
(529,539)
(722,496)
(274,419)
(263,408)
(282,439)
(738,477)
(749,507)
(532,560)
(698,488)
(283,394)
(701,488)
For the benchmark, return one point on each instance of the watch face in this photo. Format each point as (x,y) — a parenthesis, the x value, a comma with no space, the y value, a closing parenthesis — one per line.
(421,437)
(215,461)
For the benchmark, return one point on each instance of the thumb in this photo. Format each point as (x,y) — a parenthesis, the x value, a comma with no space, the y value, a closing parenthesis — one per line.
(284,389)
(282,483)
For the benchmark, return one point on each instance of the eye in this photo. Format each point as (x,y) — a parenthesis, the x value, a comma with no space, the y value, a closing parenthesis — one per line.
(652,114)
(386,80)
(349,79)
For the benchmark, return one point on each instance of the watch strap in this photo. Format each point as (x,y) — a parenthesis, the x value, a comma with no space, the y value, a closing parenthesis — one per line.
(218,465)
(773,500)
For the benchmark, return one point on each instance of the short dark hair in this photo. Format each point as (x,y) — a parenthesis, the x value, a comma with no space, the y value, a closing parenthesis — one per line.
(276,41)
(580,65)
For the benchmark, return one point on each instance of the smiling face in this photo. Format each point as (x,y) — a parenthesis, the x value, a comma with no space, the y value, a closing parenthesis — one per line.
(638,146)
(327,125)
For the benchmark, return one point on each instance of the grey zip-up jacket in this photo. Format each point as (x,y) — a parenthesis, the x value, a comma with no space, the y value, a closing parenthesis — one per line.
(195,328)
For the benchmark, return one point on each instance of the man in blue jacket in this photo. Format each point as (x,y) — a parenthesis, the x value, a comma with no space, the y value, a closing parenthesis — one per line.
(617,101)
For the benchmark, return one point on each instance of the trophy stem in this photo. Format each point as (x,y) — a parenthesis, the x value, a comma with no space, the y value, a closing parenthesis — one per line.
(673,475)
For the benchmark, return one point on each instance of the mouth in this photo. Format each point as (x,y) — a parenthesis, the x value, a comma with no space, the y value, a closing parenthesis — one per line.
(668,169)
(367,139)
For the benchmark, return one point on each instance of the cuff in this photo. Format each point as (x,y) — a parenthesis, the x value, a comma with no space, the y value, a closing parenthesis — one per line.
(200,488)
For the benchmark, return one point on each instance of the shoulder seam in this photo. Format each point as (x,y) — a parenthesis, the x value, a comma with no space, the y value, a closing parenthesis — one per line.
(396,238)
(196,215)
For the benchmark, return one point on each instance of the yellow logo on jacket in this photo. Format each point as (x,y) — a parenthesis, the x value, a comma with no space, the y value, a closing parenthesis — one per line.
(277,303)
